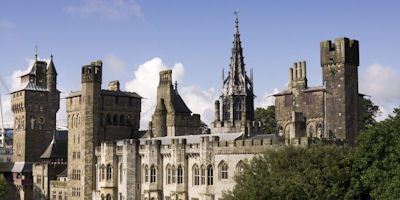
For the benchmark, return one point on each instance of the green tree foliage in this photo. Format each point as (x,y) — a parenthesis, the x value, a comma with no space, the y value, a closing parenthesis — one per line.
(267,117)
(376,161)
(318,172)
(370,110)
(3,186)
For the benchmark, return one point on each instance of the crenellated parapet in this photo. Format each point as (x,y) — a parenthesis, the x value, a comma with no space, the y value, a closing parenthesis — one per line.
(342,51)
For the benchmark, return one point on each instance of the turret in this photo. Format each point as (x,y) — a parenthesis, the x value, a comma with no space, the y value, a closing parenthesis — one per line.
(217,111)
(51,76)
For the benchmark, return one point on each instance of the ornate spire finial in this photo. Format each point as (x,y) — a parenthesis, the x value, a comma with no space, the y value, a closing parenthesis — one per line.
(36,47)
(236,12)
(176,85)
(51,56)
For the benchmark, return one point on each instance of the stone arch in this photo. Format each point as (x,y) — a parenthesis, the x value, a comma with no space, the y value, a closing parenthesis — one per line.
(168,174)
(311,130)
(222,170)
(195,175)
(239,167)
(108,119)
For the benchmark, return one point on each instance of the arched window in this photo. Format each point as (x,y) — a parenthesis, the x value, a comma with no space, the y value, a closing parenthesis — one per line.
(103,172)
(223,170)
(203,175)
(196,175)
(239,168)
(210,174)
(311,130)
(168,174)
(115,119)
(153,174)
(173,174)
(180,175)
(108,119)
(146,174)
(108,197)
(122,120)
(109,171)
(120,173)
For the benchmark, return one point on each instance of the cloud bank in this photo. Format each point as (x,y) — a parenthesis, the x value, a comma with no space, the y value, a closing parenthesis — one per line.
(381,83)
(145,83)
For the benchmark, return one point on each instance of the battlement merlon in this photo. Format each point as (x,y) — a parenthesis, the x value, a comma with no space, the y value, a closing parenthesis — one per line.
(344,51)
(92,73)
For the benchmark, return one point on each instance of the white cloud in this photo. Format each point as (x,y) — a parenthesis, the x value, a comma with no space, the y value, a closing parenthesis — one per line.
(113,9)
(266,99)
(113,65)
(145,84)
(381,83)
(6,25)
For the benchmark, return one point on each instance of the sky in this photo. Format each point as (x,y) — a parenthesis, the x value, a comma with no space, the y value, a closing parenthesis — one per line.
(136,39)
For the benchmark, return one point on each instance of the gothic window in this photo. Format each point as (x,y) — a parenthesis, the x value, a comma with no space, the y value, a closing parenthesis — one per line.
(210,174)
(173,174)
(239,168)
(288,100)
(180,174)
(103,172)
(153,174)
(196,175)
(223,174)
(60,196)
(128,120)
(109,171)
(309,98)
(108,197)
(311,130)
(168,174)
(146,174)
(203,175)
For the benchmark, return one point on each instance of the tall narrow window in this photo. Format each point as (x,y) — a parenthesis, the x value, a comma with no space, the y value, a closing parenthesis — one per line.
(120,173)
(173,174)
(146,174)
(196,177)
(168,174)
(180,175)
(224,171)
(109,171)
(153,174)
(210,174)
(103,172)
(203,175)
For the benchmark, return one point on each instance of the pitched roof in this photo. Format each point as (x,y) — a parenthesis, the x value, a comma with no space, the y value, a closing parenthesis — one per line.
(30,86)
(179,104)
(64,173)
(57,149)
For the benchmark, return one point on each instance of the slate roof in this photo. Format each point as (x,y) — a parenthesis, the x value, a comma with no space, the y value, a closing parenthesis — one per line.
(108,92)
(179,104)
(58,147)
(22,167)
(64,173)
(30,86)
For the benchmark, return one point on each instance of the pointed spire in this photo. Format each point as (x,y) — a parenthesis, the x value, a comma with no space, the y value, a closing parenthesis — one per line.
(51,69)
(236,22)
(36,54)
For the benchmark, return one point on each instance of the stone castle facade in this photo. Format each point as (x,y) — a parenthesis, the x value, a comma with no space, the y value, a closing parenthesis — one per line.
(333,110)
(105,156)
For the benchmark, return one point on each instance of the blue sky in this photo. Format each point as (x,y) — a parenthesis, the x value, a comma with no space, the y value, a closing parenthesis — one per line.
(196,38)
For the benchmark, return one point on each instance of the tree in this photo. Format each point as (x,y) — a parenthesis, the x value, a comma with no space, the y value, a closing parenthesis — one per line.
(370,110)
(267,117)
(318,172)
(376,169)
(3,186)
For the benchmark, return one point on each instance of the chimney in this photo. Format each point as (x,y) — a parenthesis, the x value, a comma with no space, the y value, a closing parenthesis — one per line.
(113,85)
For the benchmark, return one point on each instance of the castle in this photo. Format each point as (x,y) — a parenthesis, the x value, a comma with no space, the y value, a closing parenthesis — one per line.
(105,156)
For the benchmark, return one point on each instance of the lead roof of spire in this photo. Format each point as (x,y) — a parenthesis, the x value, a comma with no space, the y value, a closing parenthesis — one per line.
(51,68)
(237,74)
